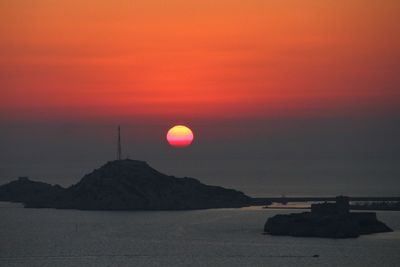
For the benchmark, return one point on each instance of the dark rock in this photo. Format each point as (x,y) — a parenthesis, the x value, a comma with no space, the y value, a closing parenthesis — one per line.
(134,185)
(326,220)
(30,192)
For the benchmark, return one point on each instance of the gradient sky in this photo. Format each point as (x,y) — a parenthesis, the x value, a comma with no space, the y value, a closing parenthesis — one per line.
(242,74)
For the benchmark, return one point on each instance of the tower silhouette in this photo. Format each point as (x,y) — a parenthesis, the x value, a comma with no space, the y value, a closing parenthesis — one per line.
(119,144)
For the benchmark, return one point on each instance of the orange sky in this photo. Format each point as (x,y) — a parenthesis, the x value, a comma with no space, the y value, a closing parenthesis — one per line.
(208,59)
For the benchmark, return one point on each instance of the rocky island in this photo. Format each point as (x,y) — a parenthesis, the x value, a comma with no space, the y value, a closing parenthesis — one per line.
(332,220)
(124,185)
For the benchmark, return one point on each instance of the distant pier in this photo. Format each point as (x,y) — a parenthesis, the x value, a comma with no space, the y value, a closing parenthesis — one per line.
(261,201)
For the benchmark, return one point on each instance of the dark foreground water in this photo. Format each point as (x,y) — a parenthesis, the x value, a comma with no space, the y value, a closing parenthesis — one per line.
(224,237)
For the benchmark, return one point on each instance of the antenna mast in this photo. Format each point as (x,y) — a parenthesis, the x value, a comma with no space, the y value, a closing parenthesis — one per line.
(119,144)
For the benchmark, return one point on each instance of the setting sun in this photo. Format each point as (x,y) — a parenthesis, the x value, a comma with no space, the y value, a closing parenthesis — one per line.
(180,136)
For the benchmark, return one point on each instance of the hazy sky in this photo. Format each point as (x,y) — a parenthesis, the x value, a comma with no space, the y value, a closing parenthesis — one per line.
(278,92)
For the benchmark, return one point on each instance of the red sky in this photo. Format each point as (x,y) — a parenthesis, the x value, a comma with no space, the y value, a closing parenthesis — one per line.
(182,60)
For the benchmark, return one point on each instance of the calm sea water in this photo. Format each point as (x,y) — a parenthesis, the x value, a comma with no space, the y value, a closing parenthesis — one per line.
(220,237)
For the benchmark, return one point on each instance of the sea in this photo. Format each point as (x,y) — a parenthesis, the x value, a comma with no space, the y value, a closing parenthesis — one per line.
(213,237)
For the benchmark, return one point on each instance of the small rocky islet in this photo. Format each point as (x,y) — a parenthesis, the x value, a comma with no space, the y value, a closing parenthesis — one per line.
(330,220)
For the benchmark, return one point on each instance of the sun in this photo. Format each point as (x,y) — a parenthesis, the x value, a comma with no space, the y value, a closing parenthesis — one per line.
(180,136)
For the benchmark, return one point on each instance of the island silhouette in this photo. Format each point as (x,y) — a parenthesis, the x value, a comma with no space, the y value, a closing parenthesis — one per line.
(124,185)
(333,220)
